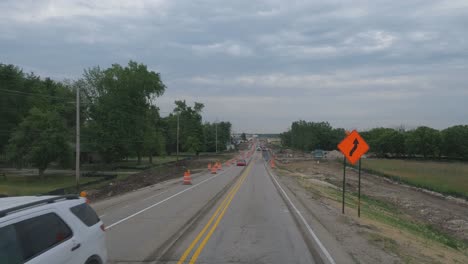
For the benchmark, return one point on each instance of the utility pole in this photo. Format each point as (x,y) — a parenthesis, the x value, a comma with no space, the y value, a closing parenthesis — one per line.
(178,136)
(216,128)
(77,143)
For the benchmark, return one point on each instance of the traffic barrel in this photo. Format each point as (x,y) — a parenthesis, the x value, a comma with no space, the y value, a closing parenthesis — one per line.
(187,178)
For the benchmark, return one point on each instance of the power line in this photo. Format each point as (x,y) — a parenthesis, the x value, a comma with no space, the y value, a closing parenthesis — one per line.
(20,93)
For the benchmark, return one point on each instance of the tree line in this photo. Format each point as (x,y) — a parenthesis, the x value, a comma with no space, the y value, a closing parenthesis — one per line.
(119,117)
(422,142)
(308,136)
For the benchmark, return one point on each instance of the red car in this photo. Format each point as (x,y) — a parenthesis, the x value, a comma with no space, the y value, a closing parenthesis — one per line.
(241,163)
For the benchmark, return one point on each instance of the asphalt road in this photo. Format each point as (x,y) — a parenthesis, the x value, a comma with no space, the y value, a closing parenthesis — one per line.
(236,216)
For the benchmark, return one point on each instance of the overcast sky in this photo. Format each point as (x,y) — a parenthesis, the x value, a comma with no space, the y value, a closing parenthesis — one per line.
(263,64)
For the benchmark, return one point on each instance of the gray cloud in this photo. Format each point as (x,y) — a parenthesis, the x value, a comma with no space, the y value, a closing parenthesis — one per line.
(263,64)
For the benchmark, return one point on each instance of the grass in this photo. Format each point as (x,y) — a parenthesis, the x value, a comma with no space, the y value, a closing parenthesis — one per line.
(33,185)
(444,177)
(130,164)
(389,214)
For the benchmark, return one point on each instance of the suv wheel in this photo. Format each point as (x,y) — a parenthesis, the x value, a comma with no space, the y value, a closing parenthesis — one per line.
(93,261)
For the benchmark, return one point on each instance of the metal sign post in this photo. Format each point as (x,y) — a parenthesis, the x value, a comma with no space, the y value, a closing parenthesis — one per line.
(353,147)
(359,191)
(344,184)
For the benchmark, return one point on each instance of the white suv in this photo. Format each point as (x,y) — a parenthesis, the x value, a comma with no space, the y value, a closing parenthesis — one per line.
(49,230)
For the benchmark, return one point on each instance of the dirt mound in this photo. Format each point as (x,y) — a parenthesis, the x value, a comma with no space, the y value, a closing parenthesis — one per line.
(154,175)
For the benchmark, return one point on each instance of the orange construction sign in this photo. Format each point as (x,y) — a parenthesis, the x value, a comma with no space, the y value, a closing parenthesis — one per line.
(353,147)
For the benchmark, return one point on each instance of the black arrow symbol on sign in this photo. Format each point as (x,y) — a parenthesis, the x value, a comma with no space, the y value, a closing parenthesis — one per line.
(356,143)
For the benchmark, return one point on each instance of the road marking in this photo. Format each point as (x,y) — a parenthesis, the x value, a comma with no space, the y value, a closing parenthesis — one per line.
(221,208)
(152,196)
(322,247)
(102,215)
(213,228)
(162,201)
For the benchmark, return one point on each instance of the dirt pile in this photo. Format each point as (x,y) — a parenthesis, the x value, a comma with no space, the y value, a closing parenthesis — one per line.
(152,176)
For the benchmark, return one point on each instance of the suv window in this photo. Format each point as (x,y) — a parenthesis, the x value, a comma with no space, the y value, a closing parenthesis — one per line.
(10,251)
(40,233)
(86,214)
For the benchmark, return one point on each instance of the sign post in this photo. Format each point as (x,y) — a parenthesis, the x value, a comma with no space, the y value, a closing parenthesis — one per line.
(353,147)
(359,191)
(344,184)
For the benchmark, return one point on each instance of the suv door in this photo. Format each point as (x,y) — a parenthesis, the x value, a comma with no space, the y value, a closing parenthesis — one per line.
(45,238)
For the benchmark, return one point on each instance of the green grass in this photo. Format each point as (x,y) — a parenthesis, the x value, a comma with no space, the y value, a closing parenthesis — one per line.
(130,165)
(444,177)
(32,185)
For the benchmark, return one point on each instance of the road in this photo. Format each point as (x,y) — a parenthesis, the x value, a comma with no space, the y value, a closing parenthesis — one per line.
(240,215)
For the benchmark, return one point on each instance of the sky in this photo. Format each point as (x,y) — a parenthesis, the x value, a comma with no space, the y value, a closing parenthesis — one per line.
(263,64)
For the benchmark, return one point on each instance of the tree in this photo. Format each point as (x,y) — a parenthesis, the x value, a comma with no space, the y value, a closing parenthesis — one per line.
(424,141)
(121,97)
(209,135)
(390,142)
(40,139)
(455,141)
(243,137)
(190,127)
(14,100)
(154,141)
(286,138)
(308,136)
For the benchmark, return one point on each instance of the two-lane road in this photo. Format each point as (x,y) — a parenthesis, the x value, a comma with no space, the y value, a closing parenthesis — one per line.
(238,216)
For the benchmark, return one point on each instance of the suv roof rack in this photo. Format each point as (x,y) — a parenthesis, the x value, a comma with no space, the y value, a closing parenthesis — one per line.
(37,203)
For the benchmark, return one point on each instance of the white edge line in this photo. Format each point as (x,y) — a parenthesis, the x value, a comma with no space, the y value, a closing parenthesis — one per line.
(160,202)
(322,247)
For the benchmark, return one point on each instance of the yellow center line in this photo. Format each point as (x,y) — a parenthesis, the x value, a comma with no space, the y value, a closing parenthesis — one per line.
(221,206)
(213,228)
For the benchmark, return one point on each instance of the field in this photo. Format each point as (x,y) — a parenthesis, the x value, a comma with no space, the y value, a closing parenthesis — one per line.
(444,177)
(32,185)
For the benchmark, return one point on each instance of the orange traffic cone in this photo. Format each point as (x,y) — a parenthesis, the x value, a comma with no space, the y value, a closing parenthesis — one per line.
(187,178)
(272,163)
(220,167)
(209,166)
(213,170)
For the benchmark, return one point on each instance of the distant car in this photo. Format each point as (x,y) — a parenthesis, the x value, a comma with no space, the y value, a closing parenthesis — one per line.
(241,163)
(50,229)
(259,149)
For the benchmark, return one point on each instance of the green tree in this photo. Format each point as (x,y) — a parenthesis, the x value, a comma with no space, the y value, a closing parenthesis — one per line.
(390,142)
(14,100)
(190,127)
(154,141)
(41,138)
(455,141)
(120,98)
(209,135)
(424,141)
(308,136)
